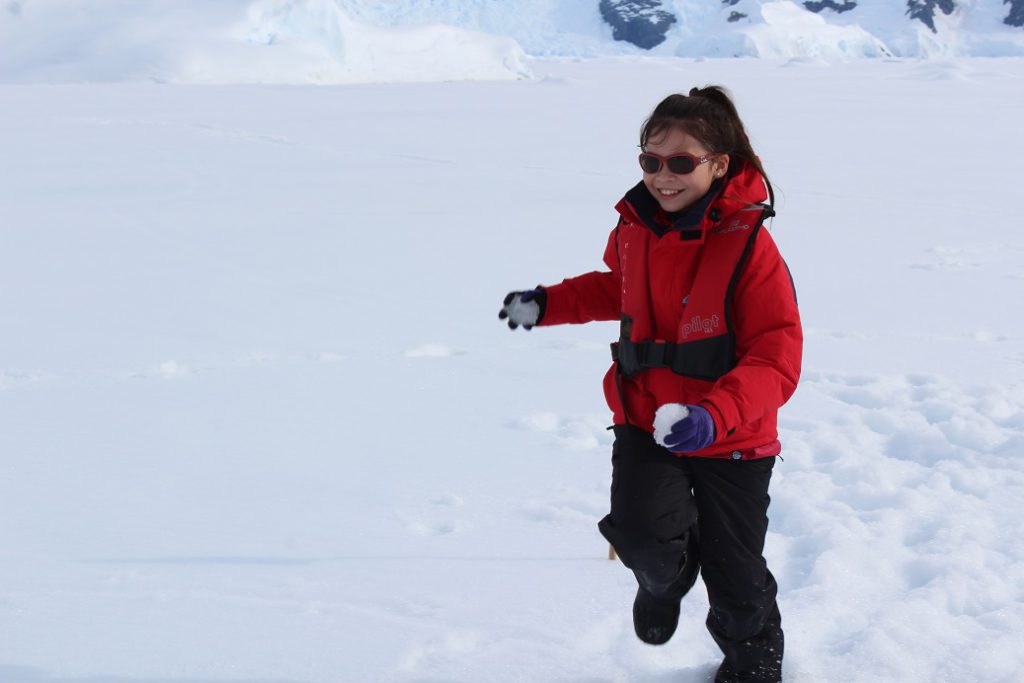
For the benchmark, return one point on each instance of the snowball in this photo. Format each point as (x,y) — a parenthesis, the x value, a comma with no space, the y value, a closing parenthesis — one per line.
(523,312)
(666,416)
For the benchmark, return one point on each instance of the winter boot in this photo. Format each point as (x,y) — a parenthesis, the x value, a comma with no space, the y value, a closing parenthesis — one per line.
(753,660)
(770,672)
(656,606)
(654,619)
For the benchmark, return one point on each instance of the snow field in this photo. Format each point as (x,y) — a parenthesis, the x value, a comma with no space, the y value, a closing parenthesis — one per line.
(260,421)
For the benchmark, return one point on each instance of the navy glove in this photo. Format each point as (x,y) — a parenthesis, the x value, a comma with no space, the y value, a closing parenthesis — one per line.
(524,308)
(694,432)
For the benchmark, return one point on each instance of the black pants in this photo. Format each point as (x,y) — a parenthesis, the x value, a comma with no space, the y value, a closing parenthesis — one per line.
(666,509)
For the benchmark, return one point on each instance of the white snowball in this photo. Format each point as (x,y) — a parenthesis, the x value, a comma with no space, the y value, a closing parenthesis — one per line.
(523,313)
(666,416)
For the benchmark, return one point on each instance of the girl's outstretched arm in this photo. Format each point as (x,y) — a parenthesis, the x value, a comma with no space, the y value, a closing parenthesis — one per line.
(591,296)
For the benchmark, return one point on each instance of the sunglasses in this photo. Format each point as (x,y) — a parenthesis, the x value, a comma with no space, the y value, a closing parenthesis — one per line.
(680,164)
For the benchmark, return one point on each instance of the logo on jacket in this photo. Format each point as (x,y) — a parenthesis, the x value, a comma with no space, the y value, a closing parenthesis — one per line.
(732,227)
(699,324)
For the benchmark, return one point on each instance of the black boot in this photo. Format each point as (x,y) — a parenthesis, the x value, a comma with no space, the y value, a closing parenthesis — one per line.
(725,673)
(756,660)
(767,673)
(655,616)
(654,619)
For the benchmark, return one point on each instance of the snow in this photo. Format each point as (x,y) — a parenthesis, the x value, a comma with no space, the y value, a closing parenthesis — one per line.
(260,421)
(238,41)
(665,418)
(790,31)
(435,350)
(361,41)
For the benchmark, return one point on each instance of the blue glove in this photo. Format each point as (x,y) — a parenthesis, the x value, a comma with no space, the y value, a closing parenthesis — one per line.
(524,308)
(694,432)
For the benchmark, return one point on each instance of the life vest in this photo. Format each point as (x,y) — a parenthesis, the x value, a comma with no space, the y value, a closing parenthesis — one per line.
(706,346)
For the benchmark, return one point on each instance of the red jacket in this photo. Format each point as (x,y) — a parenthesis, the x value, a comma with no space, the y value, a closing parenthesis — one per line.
(653,263)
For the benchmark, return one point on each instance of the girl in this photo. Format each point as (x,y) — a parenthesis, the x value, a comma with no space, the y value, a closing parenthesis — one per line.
(709,349)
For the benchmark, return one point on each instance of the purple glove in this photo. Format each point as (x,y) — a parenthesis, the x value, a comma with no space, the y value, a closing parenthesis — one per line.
(694,432)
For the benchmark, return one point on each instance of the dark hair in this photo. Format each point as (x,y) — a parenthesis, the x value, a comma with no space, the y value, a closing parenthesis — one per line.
(709,115)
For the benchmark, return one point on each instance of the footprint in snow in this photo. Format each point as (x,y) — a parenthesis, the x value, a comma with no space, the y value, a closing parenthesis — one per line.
(447,500)
(173,370)
(243,135)
(568,505)
(967,258)
(578,432)
(10,379)
(432,350)
(913,470)
(439,650)
(434,519)
(441,527)
(924,419)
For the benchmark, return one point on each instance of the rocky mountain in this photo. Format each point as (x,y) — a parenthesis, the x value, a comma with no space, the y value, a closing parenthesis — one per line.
(924,10)
(843,28)
(1016,15)
(643,23)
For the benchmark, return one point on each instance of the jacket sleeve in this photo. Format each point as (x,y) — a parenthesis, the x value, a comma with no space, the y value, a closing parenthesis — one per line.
(769,342)
(591,296)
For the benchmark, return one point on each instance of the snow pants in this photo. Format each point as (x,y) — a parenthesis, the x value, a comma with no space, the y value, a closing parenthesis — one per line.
(668,512)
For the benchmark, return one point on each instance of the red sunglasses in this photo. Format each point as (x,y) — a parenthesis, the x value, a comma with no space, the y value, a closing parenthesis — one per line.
(680,164)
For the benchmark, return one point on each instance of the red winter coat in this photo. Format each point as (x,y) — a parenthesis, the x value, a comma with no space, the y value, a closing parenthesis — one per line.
(660,259)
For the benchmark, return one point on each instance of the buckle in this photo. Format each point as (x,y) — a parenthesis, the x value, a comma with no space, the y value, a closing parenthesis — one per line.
(652,355)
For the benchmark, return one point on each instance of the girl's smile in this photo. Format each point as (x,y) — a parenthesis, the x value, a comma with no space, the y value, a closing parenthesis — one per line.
(677,191)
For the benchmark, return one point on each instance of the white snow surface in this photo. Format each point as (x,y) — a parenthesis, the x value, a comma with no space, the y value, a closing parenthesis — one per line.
(260,421)
(665,417)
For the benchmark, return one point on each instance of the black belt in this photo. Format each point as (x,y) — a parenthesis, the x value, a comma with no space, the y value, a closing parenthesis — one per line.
(704,359)
(635,357)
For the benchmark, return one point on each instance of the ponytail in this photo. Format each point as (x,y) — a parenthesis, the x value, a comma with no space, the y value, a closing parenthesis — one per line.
(709,115)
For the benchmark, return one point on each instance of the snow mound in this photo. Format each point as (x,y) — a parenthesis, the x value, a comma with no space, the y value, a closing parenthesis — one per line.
(786,31)
(327,45)
(431,351)
(790,31)
(567,28)
(239,41)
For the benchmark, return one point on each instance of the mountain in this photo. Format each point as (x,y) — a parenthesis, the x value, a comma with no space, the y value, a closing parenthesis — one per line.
(1016,13)
(836,29)
(831,29)
(643,23)
(346,41)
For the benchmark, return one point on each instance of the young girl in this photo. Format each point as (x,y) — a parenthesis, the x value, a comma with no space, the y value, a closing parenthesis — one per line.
(709,349)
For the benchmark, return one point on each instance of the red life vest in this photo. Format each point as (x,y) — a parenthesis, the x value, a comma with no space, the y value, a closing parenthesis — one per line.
(706,349)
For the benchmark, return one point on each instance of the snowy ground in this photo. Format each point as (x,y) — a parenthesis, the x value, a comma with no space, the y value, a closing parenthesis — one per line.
(259,422)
